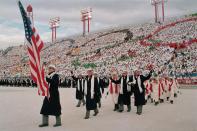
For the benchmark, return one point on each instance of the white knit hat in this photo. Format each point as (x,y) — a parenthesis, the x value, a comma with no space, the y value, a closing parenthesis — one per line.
(52,66)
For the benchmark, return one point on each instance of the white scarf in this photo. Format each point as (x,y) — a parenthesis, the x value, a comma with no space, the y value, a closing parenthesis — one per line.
(78,84)
(85,87)
(139,84)
(92,87)
(134,81)
(121,85)
(50,77)
(99,84)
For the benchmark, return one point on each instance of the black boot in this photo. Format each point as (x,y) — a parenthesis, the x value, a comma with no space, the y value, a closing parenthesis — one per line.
(149,97)
(99,104)
(139,110)
(161,100)
(83,102)
(45,121)
(175,94)
(128,108)
(115,107)
(156,103)
(167,98)
(58,121)
(79,103)
(171,101)
(96,112)
(87,115)
(151,100)
(121,108)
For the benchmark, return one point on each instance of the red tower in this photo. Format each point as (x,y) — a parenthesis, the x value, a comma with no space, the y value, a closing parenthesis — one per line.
(86,15)
(156,4)
(30,13)
(54,24)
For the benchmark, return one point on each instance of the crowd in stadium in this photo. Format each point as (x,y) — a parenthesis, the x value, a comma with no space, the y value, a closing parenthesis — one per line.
(113,48)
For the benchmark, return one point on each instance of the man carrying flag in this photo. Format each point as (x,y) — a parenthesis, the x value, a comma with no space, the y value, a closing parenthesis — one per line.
(51,104)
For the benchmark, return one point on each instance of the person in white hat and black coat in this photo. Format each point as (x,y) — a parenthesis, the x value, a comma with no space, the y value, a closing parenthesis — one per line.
(139,90)
(92,93)
(79,88)
(51,104)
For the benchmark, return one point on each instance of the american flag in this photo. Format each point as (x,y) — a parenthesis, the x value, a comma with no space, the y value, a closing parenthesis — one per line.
(34,46)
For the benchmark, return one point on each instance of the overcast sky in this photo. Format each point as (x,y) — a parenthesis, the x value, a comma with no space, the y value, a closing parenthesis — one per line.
(106,14)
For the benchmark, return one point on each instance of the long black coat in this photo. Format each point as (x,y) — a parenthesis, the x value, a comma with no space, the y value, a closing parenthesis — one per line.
(52,105)
(80,91)
(140,97)
(91,103)
(100,90)
(124,98)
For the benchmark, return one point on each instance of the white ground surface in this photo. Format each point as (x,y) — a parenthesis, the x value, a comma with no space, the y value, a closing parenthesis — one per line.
(20,108)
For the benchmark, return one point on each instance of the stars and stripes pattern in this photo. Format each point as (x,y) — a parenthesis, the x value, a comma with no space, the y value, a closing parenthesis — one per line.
(34,46)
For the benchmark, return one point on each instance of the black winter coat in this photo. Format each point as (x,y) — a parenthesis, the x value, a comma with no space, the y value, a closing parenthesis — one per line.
(80,89)
(91,103)
(52,105)
(124,98)
(140,97)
